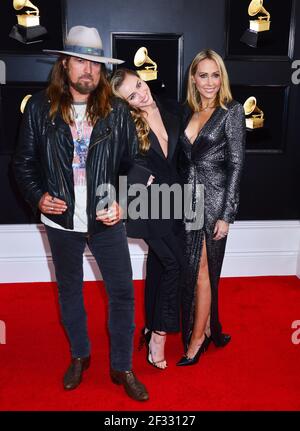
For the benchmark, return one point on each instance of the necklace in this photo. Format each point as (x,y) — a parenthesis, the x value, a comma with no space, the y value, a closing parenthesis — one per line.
(79,118)
(79,130)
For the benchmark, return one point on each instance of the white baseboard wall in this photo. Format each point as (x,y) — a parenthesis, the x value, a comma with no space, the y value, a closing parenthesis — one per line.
(254,248)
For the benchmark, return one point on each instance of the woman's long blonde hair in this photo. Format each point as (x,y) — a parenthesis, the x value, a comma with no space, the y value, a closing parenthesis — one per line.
(141,124)
(224,95)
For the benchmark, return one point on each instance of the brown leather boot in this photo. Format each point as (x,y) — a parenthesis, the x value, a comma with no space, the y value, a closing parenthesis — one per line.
(133,387)
(73,375)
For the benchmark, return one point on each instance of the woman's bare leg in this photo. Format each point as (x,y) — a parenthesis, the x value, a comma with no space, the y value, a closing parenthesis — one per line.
(157,348)
(202,306)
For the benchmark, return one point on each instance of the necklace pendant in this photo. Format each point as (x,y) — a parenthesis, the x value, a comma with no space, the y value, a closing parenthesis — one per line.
(79,137)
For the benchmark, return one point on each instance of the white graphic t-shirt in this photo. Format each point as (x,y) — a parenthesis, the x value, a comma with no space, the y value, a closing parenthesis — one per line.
(81,133)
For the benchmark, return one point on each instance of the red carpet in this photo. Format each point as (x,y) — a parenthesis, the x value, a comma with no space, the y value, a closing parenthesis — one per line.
(258,370)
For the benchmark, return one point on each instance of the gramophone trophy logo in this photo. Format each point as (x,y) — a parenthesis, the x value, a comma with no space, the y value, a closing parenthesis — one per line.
(256,26)
(28,30)
(254,116)
(149,73)
(24,103)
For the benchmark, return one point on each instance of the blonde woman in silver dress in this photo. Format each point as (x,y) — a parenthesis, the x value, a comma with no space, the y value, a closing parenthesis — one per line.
(213,142)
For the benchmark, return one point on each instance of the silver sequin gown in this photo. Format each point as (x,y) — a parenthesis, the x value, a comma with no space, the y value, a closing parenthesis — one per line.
(215,160)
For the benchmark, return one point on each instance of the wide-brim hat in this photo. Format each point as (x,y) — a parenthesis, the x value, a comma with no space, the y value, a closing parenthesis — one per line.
(84,42)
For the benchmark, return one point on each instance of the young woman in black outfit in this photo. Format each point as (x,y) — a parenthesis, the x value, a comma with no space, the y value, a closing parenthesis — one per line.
(158,130)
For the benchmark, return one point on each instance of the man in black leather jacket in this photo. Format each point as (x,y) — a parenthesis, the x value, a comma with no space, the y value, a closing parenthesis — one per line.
(74,138)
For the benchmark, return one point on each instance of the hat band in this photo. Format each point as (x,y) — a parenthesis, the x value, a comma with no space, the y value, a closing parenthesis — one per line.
(85,50)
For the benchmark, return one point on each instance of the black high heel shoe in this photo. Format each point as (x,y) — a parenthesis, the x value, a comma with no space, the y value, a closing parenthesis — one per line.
(191,361)
(223,340)
(145,340)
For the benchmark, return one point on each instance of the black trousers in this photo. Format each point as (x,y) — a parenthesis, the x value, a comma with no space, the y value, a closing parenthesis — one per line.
(110,249)
(163,281)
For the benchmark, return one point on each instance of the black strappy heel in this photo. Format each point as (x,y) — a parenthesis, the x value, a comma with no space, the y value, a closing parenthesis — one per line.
(145,340)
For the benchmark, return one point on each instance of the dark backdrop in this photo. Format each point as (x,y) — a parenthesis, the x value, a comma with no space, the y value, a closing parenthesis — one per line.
(270,184)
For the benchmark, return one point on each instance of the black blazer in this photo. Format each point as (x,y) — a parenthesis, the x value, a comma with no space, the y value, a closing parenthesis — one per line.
(164,169)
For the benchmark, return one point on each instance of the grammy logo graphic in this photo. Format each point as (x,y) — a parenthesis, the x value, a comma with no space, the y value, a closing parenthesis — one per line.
(28,30)
(24,103)
(149,73)
(254,116)
(256,26)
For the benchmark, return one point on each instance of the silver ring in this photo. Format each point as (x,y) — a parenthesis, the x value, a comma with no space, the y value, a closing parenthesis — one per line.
(52,208)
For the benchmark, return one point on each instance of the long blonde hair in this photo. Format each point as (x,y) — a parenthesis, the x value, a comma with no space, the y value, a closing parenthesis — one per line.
(141,124)
(224,95)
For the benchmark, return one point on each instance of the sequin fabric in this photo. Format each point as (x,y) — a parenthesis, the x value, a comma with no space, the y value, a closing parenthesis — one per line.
(215,160)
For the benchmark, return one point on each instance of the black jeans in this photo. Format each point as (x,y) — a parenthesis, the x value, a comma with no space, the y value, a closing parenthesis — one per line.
(163,281)
(110,249)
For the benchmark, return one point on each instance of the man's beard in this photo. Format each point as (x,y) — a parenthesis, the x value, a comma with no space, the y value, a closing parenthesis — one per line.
(83,87)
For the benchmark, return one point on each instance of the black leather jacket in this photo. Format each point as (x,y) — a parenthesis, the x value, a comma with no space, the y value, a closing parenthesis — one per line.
(43,160)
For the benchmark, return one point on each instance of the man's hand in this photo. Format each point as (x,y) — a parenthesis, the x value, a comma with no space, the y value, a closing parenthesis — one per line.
(110,216)
(51,205)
